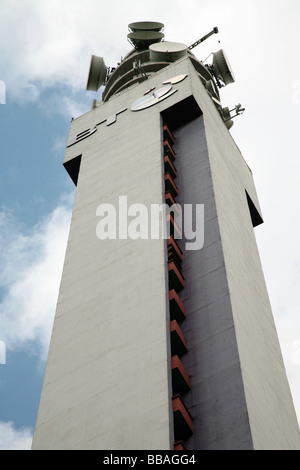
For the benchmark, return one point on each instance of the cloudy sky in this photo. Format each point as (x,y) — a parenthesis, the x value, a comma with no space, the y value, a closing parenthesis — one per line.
(45,49)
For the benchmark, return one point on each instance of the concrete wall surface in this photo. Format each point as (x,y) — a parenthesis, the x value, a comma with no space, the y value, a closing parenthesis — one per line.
(107,378)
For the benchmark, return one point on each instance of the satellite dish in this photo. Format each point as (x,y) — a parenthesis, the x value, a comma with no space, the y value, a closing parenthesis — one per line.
(229,124)
(227,118)
(143,39)
(167,51)
(144,33)
(146,25)
(97,73)
(222,68)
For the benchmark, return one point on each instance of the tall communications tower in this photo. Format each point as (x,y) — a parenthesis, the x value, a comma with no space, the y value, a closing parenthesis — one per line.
(163,336)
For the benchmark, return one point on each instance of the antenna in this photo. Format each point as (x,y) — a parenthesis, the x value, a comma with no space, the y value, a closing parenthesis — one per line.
(167,51)
(97,73)
(222,69)
(214,31)
(238,109)
(137,66)
(226,112)
(144,33)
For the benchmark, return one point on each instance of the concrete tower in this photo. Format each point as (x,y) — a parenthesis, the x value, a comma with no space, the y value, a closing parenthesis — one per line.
(162,343)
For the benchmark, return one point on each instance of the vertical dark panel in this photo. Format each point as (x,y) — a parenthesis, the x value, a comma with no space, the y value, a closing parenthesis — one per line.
(216,400)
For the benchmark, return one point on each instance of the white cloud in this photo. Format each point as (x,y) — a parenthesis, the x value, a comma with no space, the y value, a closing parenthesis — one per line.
(31,270)
(14,439)
(52,41)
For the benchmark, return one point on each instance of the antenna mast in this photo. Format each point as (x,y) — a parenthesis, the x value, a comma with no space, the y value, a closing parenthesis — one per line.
(214,31)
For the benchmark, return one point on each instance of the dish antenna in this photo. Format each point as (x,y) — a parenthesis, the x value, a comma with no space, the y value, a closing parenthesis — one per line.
(221,69)
(144,33)
(97,73)
(167,51)
(228,118)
